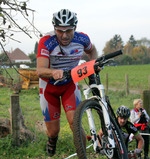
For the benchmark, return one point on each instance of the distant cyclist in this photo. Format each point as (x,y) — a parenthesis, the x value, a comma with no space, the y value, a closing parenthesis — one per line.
(59,50)
(123,114)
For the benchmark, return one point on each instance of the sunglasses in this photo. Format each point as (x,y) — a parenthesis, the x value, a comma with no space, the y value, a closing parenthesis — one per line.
(60,31)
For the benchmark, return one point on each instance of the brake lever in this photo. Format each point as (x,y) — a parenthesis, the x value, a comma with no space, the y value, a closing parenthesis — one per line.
(66,75)
(107,61)
(60,80)
(101,64)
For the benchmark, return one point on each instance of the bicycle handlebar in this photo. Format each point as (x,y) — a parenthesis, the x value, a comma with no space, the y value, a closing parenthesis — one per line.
(98,63)
(110,55)
(104,59)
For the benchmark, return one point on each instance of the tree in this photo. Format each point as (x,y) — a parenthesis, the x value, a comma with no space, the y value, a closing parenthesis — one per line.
(117,42)
(132,41)
(36,48)
(134,51)
(144,41)
(124,60)
(32,56)
(128,48)
(113,44)
(3,57)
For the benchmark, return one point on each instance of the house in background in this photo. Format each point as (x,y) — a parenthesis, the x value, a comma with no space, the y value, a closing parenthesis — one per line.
(18,56)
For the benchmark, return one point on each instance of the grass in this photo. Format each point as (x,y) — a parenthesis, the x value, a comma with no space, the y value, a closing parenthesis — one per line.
(138,76)
(29,103)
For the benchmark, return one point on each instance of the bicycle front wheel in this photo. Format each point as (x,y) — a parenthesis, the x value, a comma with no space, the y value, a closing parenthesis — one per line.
(82,133)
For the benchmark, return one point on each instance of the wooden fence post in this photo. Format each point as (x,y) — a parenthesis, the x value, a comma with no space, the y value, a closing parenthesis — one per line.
(146,100)
(127,84)
(15,121)
(106,84)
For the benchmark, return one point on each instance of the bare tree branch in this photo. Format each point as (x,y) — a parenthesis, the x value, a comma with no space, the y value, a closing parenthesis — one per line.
(9,10)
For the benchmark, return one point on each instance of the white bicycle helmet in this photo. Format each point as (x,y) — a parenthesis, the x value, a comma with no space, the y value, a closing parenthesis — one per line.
(123,111)
(64,18)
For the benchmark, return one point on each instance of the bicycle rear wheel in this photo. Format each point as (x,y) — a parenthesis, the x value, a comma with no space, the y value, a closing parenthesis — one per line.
(81,131)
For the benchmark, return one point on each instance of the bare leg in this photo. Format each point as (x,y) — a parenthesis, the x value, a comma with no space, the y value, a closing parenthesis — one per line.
(53,128)
(70,115)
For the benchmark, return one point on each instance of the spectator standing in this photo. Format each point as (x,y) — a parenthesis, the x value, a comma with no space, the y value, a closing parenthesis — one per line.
(140,119)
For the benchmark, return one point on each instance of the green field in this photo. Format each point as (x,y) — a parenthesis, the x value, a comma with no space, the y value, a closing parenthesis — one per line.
(138,76)
(29,103)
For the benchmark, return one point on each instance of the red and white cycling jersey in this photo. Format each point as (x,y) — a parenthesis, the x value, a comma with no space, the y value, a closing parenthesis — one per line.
(66,57)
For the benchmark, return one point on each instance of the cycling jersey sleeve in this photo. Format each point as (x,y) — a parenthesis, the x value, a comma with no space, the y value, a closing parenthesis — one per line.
(88,45)
(42,50)
(83,39)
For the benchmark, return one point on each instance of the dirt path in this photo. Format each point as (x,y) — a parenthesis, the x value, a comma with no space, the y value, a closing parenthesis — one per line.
(131,91)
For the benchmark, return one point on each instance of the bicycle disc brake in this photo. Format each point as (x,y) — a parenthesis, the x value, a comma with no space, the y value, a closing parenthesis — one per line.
(108,151)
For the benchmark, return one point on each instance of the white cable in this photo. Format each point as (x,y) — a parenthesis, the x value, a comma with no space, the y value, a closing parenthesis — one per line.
(71,155)
(144,134)
(76,153)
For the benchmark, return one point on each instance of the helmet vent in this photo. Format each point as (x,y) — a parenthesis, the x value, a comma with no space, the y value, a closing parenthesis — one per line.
(69,15)
(64,19)
(59,14)
(64,12)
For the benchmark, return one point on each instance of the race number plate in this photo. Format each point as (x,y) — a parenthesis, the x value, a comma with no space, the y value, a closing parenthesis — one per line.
(82,71)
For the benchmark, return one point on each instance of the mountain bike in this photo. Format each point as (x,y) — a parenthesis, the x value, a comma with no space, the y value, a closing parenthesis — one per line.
(94,114)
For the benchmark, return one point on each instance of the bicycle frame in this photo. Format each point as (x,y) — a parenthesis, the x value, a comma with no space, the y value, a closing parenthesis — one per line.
(112,140)
(103,103)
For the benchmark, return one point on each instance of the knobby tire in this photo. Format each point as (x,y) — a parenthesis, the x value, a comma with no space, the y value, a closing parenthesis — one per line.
(81,126)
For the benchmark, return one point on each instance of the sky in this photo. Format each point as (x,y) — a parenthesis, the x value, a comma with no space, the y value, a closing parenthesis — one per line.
(99,19)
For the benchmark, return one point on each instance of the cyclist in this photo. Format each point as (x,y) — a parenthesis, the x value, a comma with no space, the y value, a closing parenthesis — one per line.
(140,119)
(60,50)
(123,114)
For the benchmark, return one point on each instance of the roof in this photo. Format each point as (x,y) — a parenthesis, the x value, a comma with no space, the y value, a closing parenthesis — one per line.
(17,54)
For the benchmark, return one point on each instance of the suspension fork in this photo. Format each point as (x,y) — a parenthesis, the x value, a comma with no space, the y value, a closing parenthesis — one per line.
(92,130)
(103,103)
(91,122)
(105,115)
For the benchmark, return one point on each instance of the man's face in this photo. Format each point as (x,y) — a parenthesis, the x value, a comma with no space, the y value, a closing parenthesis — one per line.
(64,34)
(122,121)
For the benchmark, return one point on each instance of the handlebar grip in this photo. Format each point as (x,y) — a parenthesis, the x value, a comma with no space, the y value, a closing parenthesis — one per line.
(66,75)
(111,55)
